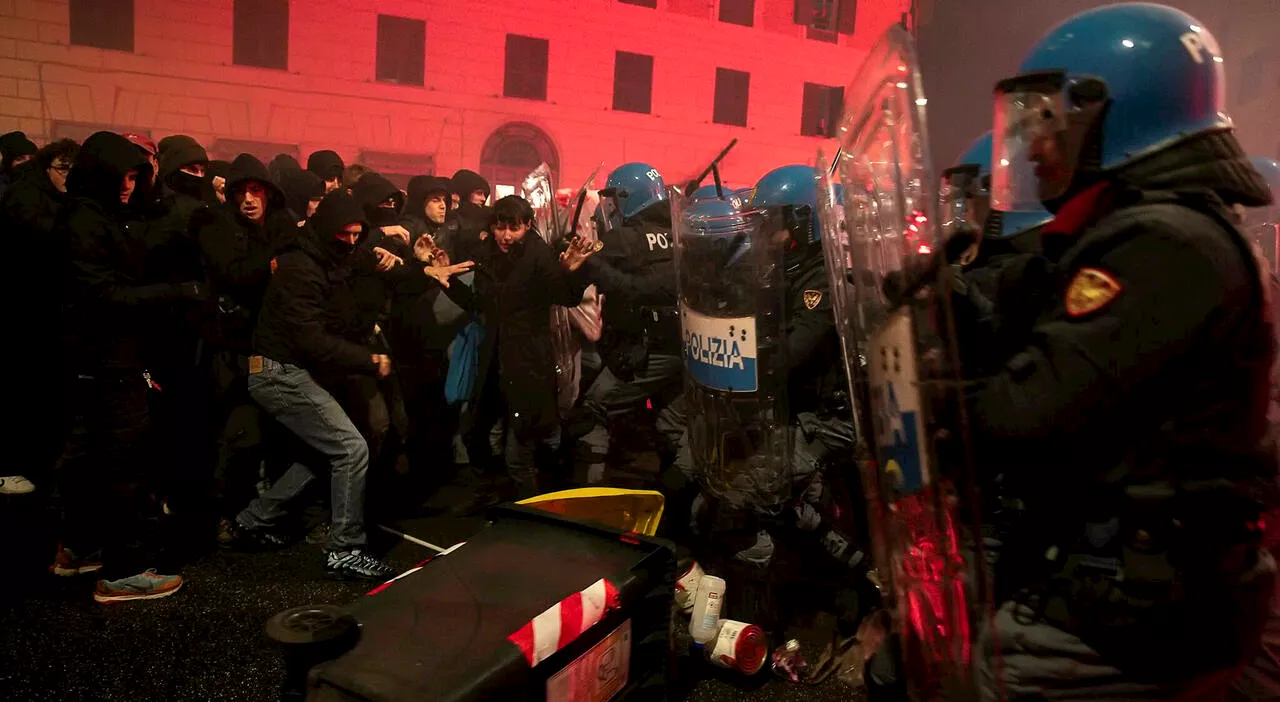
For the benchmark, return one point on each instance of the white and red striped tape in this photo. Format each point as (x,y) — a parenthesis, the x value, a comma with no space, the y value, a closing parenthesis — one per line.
(562,623)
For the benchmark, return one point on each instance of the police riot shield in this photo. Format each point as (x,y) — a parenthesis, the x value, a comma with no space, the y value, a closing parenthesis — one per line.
(878,212)
(540,192)
(729,275)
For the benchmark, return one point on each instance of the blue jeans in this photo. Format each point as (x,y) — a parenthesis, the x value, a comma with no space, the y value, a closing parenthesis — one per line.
(290,395)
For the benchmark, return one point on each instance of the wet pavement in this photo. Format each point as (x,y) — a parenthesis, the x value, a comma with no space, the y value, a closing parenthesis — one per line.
(207,642)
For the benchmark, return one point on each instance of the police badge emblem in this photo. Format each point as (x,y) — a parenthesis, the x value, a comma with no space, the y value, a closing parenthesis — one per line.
(812,298)
(1090,290)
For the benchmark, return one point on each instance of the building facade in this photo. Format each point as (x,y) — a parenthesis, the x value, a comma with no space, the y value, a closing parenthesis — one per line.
(430,86)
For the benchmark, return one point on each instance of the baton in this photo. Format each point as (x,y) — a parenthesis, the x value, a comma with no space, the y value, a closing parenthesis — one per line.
(693,184)
(412,539)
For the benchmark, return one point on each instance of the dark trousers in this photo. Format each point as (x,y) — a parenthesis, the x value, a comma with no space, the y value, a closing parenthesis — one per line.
(105,472)
(432,422)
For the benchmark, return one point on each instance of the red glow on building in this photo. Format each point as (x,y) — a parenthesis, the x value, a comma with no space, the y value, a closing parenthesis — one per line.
(272,76)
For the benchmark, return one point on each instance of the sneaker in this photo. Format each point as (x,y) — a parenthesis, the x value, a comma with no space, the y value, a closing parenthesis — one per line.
(242,538)
(67,565)
(356,565)
(15,485)
(143,586)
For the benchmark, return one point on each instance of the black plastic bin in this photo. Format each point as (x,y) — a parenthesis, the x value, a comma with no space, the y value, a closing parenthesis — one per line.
(441,633)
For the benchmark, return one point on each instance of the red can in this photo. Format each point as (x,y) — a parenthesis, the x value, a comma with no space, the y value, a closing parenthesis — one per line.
(739,646)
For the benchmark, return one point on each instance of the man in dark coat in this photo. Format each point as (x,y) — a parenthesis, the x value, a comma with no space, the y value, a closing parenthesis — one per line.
(426,210)
(470,192)
(173,346)
(517,282)
(106,307)
(239,241)
(311,325)
(28,212)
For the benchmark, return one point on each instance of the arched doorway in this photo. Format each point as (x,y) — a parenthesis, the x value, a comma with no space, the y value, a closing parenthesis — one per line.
(512,151)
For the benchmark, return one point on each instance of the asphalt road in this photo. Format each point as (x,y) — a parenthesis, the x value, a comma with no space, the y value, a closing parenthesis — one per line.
(206,642)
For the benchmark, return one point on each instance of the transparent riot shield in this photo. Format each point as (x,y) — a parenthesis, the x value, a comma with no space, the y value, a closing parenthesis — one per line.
(729,275)
(538,189)
(893,320)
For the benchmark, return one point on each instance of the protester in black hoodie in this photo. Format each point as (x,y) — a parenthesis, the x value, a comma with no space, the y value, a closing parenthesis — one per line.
(106,309)
(426,210)
(173,343)
(15,149)
(281,164)
(239,241)
(472,217)
(28,213)
(328,165)
(302,192)
(469,186)
(310,325)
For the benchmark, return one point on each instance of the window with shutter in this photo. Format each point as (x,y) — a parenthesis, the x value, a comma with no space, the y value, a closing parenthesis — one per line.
(741,12)
(105,24)
(826,16)
(633,82)
(402,48)
(822,109)
(732,92)
(260,33)
(526,68)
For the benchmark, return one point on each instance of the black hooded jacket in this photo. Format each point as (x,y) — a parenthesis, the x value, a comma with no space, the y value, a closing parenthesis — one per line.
(28,214)
(300,187)
(466,182)
(238,253)
(107,305)
(326,164)
(281,164)
(310,317)
(413,217)
(29,208)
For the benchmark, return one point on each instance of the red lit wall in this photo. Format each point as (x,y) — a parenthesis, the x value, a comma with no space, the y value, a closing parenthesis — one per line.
(180,79)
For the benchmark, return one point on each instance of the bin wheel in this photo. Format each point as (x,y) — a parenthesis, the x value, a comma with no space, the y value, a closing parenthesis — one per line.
(310,625)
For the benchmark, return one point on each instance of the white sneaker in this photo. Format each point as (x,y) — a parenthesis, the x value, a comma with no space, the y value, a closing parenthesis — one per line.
(15,485)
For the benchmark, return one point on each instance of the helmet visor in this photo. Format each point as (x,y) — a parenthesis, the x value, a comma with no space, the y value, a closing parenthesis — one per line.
(962,199)
(1030,161)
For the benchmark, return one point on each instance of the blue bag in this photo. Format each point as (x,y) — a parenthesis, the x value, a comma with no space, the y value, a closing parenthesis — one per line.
(464,364)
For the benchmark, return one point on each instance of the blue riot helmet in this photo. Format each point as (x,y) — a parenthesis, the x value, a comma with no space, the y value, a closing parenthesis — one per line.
(709,191)
(636,187)
(965,191)
(716,238)
(1099,91)
(787,198)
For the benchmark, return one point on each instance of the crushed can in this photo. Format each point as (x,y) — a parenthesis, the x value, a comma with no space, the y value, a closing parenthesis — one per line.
(687,587)
(739,646)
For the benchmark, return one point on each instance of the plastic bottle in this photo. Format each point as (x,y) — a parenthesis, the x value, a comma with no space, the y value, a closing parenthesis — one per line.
(705,623)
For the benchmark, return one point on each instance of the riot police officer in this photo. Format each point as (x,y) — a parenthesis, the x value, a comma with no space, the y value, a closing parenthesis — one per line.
(765,436)
(640,344)
(1132,421)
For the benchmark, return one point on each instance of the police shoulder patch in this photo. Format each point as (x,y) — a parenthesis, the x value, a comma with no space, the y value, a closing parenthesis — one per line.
(1090,290)
(812,298)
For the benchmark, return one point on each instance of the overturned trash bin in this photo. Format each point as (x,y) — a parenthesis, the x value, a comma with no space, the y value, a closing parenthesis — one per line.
(308,636)
(534,607)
